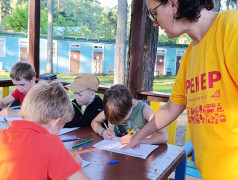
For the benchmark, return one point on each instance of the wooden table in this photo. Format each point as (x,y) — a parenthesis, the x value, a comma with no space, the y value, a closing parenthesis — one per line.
(158,165)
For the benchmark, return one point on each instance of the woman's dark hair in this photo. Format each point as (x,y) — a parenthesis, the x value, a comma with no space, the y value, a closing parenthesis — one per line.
(191,9)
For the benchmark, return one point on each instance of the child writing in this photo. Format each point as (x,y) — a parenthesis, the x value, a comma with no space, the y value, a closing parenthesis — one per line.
(31,148)
(23,76)
(125,113)
(87,105)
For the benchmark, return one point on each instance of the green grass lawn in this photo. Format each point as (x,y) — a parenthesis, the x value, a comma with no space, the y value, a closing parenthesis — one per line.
(161,84)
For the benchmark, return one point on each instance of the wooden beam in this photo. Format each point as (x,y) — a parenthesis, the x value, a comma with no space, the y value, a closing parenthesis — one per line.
(34,34)
(136,45)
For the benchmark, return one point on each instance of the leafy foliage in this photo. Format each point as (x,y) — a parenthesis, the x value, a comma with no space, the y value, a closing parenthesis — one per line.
(18,20)
(82,18)
(183,39)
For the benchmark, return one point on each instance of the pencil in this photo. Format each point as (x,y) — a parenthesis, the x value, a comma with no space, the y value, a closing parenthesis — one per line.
(82,146)
(7,121)
(9,105)
(82,143)
(131,131)
(105,124)
(73,154)
(113,161)
(73,139)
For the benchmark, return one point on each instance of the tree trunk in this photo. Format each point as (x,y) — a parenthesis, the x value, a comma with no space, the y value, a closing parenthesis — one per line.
(120,50)
(4,9)
(217,5)
(147,64)
(149,55)
(227,4)
(49,63)
(1,14)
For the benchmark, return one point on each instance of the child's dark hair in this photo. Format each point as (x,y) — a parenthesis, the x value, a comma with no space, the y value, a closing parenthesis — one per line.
(117,103)
(22,70)
(191,9)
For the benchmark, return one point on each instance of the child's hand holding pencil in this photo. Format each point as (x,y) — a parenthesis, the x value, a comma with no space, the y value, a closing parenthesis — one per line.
(8,112)
(106,133)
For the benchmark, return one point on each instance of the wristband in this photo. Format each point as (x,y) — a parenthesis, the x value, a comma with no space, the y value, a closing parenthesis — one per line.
(103,131)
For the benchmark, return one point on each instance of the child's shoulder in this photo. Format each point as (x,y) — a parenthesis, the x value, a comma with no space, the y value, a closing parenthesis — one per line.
(139,105)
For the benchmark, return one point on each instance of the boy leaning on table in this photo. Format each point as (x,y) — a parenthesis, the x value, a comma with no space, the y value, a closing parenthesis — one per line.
(125,113)
(31,148)
(87,105)
(23,76)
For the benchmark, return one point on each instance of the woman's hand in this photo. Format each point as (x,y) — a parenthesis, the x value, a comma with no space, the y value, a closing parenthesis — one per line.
(134,143)
(126,139)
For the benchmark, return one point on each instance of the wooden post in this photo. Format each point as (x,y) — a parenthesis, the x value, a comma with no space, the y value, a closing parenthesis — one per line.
(136,45)
(34,34)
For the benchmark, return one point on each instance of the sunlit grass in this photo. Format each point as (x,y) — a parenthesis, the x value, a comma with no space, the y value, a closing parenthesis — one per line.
(161,83)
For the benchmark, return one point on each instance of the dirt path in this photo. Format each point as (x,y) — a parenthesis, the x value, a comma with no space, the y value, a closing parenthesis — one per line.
(181,129)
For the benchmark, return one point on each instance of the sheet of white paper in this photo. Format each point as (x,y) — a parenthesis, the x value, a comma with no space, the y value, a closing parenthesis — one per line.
(10,119)
(115,146)
(65,130)
(85,163)
(4,125)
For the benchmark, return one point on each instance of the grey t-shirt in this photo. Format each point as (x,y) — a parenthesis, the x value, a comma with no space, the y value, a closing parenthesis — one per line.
(136,119)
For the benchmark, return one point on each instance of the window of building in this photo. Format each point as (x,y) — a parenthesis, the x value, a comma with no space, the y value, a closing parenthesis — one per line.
(159,50)
(2,47)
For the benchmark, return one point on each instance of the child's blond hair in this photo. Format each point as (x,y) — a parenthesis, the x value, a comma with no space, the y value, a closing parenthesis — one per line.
(22,70)
(46,101)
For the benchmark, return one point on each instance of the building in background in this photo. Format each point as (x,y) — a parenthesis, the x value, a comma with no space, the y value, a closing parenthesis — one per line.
(81,55)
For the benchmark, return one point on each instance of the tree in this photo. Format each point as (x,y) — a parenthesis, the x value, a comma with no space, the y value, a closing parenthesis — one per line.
(231,3)
(93,20)
(217,5)
(18,20)
(149,55)
(120,50)
(49,62)
(182,39)
(4,8)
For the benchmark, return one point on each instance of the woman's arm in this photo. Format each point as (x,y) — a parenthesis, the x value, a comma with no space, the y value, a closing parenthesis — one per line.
(159,137)
(166,115)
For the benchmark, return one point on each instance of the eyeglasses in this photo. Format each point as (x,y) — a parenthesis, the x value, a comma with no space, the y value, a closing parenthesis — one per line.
(152,15)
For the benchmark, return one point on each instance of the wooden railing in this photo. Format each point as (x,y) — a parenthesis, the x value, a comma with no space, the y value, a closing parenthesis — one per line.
(154,97)
(142,95)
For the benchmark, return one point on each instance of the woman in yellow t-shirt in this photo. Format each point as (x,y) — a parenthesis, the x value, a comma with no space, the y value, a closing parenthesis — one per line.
(206,84)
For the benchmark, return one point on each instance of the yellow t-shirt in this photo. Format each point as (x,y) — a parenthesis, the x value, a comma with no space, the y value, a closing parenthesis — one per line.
(207,83)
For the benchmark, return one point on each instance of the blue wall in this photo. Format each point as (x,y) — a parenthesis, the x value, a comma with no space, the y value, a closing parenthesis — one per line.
(108,57)
(62,60)
(12,53)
